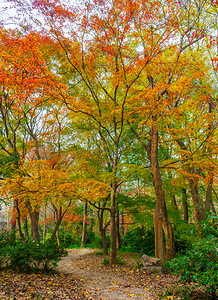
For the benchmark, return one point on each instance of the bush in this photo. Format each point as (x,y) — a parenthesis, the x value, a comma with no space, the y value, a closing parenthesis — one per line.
(139,240)
(67,239)
(6,237)
(199,265)
(28,255)
(209,227)
(95,241)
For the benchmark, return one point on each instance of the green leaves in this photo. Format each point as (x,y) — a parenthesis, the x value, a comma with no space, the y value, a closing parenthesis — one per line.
(23,255)
(199,265)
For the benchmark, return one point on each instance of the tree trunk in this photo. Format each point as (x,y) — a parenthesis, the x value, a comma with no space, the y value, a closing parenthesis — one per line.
(103,228)
(173,202)
(105,243)
(185,205)
(113,254)
(34,219)
(197,203)
(209,202)
(58,218)
(84,234)
(122,224)
(13,219)
(118,229)
(44,224)
(58,238)
(25,227)
(161,220)
(19,220)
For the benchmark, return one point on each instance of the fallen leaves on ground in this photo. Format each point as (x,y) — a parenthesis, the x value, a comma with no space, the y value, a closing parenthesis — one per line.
(59,286)
(159,285)
(38,286)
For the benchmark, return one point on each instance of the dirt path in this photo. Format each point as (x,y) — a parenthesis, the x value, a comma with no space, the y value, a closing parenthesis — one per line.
(96,284)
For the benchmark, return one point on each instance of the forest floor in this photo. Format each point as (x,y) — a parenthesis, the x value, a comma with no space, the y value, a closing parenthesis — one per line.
(83,275)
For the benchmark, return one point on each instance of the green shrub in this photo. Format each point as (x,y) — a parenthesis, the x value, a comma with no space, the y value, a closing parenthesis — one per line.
(95,241)
(6,237)
(209,227)
(139,240)
(199,265)
(18,256)
(90,238)
(67,238)
(28,255)
(47,255)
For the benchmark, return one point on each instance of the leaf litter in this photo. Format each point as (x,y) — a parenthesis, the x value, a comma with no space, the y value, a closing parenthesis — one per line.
(82,275)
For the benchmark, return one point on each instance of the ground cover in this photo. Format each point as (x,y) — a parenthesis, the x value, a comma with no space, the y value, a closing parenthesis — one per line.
(85,274)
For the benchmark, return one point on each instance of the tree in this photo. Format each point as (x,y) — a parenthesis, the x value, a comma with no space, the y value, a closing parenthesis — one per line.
(119,65)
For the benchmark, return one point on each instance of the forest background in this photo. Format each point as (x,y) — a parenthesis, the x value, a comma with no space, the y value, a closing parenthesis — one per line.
(108,123)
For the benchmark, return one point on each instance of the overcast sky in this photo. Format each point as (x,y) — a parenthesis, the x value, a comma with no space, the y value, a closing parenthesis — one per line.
(7,14)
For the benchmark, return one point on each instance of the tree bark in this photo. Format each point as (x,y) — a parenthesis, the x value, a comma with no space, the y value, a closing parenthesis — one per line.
(34,218)
(102,227)
(113,253)
(25,227)
(185,205)
(58,218)
(44,224)
(161,221)
(118,229)
(197,203)
(19,220)
(173,202)
(84,233)
(58,238)
(209,202)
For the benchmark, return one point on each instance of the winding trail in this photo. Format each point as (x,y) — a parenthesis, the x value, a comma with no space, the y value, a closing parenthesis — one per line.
(99,285)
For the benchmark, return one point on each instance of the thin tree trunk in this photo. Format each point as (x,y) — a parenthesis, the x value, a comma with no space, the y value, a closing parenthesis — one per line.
(185,205)
(84,233)
(118,229)
(25,227)
(197,203)
(58,219)
(208,201)
(105,243)
(173,202)
(13,219)
(113,254)
(122,224)
(58,238)
(44,225)
(19,220)
(103,228)
(193,183)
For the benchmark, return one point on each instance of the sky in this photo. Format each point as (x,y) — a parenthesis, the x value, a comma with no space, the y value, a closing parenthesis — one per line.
(7,14)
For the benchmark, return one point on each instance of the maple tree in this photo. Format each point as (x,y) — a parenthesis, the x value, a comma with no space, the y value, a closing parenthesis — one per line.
(121,73)
(23,78)
(121,45)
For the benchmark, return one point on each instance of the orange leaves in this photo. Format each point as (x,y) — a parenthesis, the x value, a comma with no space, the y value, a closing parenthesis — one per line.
(23,72)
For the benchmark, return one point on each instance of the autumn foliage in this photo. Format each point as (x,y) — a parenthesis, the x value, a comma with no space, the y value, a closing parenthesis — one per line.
(92,95)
